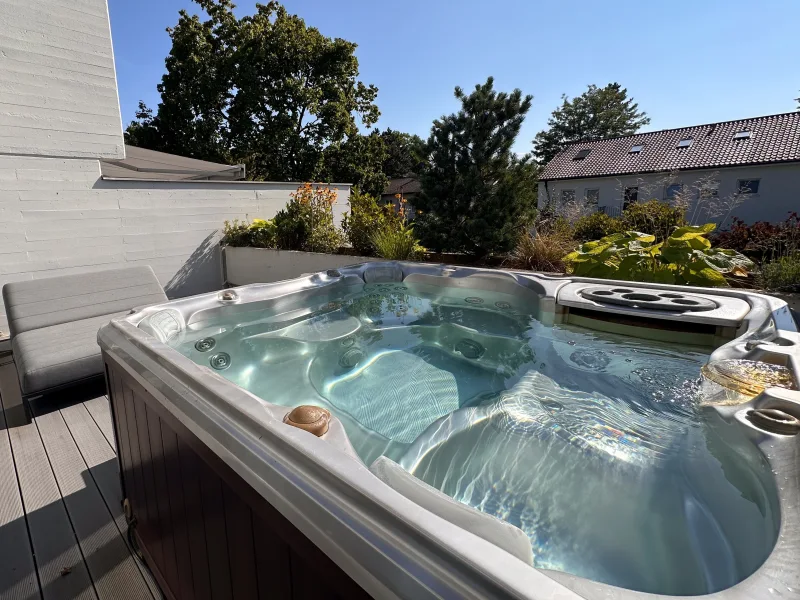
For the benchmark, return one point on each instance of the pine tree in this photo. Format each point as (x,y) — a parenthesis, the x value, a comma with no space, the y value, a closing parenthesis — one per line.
(596,114)
(477,195)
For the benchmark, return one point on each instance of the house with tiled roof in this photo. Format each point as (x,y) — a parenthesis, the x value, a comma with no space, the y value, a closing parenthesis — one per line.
(752,165)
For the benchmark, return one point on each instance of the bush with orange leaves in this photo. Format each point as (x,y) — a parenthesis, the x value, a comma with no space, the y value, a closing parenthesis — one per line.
(307,221)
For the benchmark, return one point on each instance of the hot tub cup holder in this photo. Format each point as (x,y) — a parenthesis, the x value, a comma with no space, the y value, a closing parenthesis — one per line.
(645,298)
(774,420)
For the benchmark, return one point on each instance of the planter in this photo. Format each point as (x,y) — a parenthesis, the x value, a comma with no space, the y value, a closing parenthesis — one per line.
(263,265)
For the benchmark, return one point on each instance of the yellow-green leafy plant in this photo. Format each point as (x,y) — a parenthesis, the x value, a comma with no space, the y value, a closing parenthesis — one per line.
(261,233)
(685,257)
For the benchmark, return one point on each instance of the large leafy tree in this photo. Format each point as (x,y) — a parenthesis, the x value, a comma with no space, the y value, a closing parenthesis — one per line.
(358,160)
(596,114)
(264,89)
(477,195)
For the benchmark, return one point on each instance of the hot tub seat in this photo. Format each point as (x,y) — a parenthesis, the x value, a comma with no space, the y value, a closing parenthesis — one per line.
(504,535)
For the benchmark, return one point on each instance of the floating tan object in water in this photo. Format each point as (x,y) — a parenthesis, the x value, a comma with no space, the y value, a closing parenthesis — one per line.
(744,379)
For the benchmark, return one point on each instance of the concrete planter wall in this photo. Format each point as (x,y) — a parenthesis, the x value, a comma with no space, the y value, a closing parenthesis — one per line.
(262,265)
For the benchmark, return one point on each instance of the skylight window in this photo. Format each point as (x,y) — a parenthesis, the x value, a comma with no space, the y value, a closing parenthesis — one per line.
(685,143)
(636,149)
(742,135)
(583,154)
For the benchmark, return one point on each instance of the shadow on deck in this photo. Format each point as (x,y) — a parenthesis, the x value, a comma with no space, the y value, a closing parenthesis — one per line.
(62,528)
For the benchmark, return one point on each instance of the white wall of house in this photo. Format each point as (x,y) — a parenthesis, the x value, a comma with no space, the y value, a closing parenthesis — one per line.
(778,193)
(58,87)
(57,216)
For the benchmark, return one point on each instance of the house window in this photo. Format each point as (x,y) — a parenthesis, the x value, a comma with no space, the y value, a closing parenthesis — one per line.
(741,135)
(748,186)
(583,154)
(685,143)
(636,149)
(592,197)
(673,191)
(567,196)
(631,196)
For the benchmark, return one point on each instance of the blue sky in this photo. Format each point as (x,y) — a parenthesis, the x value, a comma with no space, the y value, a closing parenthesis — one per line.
(685,62)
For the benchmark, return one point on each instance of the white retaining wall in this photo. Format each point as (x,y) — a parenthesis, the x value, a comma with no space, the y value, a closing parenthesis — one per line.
(57,216)
(263,265)
(58,87)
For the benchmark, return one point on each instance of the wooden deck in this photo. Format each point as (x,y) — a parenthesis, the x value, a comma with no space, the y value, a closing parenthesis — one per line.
(62,529)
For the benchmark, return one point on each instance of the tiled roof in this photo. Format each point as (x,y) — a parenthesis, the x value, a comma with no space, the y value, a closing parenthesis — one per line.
(774,138)
(403,185)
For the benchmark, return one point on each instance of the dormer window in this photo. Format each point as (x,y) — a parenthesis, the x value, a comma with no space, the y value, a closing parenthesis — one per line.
(583,153)
(685,143)
(636,149)
(742,135)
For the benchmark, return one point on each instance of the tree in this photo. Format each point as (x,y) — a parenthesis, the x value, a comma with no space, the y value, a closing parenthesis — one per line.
(266,90)
(358,160)
(596,114)
(404,153)
(477,195)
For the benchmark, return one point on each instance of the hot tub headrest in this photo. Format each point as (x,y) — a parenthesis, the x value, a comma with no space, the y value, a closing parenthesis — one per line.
(383,273)
(504,535)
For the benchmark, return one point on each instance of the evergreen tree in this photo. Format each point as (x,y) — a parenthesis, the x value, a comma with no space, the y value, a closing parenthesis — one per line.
(596,114)
(477,195)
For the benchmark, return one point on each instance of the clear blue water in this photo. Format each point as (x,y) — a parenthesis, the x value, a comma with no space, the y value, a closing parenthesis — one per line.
(592,443)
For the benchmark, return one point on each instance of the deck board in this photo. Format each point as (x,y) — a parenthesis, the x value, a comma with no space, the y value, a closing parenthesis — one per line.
(100,411)
(108,558)
(17,567)
(62,528)
(62,571)
(101,460)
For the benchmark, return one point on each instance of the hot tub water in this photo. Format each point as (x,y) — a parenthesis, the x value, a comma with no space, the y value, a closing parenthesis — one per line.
(594,444)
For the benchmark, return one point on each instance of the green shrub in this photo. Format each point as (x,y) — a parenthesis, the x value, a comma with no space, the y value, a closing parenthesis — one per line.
(659,218)
(367,218)
(541,252)
(595,226)
(307,221)
(781,274)
(397,243)
(258,234)
(686,257)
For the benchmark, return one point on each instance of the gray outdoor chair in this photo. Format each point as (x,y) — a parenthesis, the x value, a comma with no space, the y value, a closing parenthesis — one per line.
(54,322)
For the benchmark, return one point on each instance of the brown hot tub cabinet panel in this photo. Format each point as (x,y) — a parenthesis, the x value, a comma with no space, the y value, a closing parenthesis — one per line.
(203,531)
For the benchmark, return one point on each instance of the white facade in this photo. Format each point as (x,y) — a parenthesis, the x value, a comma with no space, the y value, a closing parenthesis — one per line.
(778,191)
(58,86)
(59,114)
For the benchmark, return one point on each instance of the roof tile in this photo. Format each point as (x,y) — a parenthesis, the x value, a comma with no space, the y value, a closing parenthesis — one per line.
(774,138)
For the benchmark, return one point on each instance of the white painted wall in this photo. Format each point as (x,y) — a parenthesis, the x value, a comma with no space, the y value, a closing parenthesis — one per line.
(779,190)
(58,87)
(57,216)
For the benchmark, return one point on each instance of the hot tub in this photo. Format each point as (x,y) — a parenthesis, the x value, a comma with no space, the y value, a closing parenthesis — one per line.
(491,434)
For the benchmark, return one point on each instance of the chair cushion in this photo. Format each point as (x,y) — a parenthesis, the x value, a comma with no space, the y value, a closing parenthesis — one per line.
(505,535)
(55,300)
(59,354)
